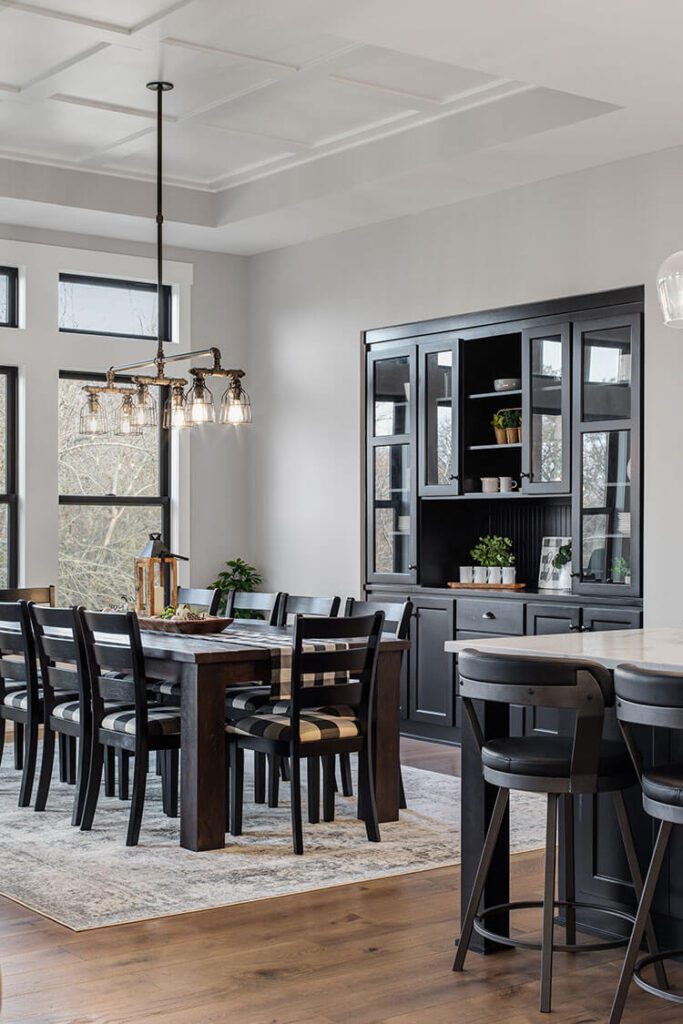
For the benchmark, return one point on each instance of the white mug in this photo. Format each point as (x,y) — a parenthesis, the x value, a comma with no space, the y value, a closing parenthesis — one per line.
(489,484)
(466,574)
(508,484)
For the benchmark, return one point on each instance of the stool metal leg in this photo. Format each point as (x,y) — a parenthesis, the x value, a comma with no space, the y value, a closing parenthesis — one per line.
(569,868)
(548,905)
(640,922)
(637,879)
(499,809)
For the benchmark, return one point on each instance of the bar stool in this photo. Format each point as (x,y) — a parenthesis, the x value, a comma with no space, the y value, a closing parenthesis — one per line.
(650,698)
(560,766)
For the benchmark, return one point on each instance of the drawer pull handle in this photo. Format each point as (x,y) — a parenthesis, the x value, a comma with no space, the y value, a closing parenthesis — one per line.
(488,615)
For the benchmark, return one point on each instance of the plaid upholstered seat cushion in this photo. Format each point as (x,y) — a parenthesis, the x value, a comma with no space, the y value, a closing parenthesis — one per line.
(276,706)
(243,700)
(168,688)
(17,699)
(70,711)
(314,726)
(162,721)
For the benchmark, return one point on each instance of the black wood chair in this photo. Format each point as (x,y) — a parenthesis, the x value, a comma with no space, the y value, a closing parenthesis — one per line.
(21,699)
(206,600)
(307,732)
(39,595)
(113,647)
(292,605)
(63,671)
(254,605)
(561,766)
(652,699)
(396,626)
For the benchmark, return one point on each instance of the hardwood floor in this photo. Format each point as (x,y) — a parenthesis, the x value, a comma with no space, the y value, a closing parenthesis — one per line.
(370,953)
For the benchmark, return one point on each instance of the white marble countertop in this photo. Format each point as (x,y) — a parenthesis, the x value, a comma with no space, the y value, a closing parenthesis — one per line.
(648,648)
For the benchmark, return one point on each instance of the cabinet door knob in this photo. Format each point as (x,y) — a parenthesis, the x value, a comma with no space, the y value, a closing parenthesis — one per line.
(525,476)
(574,629)
(488,615)
(411,567)
(453,476)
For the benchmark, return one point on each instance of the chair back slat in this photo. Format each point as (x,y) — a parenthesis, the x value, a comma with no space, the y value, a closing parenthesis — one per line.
(319,662)
(204,599)
(322,695)
(256,602)
(113,644)
(11,641)
(61,654)
(16,639)
(396,616)
(39,595)
(293,604)
(13,668)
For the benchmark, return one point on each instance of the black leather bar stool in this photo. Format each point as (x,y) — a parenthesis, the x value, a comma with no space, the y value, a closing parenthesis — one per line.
(653,699)
(560,766)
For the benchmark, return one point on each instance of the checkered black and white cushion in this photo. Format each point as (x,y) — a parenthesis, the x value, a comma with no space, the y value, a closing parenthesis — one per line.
(314,726)
(281,707)
(70,711)
(162,721)
(245,700)
(17,699)
(168,688)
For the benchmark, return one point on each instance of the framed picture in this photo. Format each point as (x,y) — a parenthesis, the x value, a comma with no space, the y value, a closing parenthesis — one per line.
(550,578)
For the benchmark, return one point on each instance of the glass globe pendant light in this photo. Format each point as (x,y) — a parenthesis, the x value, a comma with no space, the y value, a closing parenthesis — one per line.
(670,289)
(199,407)
(93,418)
(125,420)
(235,404)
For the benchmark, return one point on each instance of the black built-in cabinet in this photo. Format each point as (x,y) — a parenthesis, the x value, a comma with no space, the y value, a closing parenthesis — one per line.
(429,403)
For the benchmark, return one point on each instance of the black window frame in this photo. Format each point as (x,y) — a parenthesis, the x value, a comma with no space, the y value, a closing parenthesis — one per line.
(118,282)
(12,275)
(163,499)
(10,497)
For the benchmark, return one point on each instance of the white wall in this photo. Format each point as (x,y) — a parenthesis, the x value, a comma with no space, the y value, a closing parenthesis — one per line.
(599,229)
(211,512)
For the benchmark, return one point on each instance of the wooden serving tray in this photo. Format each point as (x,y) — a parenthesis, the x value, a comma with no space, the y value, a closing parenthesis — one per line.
(193,627)
(487,586)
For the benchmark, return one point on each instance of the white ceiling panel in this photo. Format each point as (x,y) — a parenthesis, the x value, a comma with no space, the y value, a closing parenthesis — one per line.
(62,131)
(122,13)
(404,73)
(119,74)
(312,112)
(30,46)
(195,152)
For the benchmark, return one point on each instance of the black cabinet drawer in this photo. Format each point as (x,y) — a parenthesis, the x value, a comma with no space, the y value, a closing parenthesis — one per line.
(491,616)
(600,619)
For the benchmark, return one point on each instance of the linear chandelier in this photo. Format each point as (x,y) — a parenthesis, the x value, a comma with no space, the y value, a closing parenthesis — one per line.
(138,408)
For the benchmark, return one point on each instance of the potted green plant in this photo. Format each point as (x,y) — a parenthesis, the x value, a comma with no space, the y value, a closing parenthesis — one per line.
(498,424)
(513,425)
(621,571)
(237,575)
(492,554)
(563,563)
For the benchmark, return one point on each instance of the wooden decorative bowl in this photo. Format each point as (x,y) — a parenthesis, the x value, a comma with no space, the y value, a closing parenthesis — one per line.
(190,627)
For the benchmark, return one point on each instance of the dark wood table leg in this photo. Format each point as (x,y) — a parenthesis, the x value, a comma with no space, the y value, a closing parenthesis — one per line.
(387,736)
(202,752)
(477,801)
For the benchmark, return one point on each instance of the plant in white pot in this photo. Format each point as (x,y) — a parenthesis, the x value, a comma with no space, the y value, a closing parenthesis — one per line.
(493,560)
(563,563)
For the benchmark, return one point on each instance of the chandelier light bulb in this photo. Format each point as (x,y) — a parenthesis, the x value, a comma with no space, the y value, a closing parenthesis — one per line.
(199,407)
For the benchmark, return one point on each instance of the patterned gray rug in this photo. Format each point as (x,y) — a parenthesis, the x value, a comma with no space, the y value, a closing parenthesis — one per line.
(88,880)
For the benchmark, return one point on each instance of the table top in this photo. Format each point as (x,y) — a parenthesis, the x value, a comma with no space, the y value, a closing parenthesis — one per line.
(212,650)
(657,648)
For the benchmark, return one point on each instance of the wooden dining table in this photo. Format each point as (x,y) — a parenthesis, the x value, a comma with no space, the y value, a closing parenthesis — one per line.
(205,667)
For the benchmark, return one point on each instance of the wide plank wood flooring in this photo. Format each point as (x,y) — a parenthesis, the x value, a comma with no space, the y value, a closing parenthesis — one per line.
(371,953)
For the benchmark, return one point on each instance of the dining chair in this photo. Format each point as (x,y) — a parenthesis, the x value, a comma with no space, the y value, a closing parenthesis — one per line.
(67,706)
(397,617)
(342,678)
(292,604)
(205,599)
(39,595)
(254,605)
(116,668)
(21,699)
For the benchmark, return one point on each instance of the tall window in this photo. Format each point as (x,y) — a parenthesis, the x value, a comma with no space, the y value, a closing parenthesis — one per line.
(108,306)
(113,492)
(9,304)
(8,476)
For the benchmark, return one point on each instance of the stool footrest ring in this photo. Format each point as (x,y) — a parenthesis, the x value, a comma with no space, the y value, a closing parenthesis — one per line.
(587,947)
(655,990)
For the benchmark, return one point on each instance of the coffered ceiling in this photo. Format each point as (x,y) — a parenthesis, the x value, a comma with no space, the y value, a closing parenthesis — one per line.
(295,118)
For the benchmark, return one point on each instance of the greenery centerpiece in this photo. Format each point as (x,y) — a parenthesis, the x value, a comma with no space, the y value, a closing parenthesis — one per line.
(237,575)
(494,555)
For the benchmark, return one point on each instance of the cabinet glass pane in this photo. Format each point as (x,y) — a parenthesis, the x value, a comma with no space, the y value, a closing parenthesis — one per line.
(606,507)
(439,417)
(391,500)
(547,373)
(607,374)
(392,396)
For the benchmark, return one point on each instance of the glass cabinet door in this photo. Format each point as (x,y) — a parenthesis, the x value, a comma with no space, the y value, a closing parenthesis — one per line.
(546,398)
(391,533)
(606,520)
(438,422)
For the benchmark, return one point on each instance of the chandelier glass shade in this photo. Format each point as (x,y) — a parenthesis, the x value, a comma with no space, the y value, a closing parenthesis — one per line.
(138,408)
(670,289)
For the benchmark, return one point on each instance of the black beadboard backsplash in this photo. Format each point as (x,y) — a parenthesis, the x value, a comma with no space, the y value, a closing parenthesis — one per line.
(450,529)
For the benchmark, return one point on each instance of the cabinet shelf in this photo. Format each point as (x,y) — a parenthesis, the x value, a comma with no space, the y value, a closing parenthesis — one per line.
(496,394)
(491,447)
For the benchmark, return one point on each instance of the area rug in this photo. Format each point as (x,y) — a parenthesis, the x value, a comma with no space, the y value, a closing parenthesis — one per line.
(88,880)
